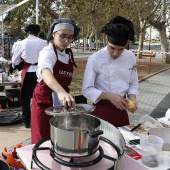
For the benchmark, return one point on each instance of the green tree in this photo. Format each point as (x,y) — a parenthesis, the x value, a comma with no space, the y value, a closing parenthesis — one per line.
(89,15)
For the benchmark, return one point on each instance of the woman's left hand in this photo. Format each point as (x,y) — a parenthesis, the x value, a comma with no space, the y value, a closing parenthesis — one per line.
(66,99)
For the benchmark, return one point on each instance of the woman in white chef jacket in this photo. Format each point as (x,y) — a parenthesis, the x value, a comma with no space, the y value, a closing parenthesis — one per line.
(54,72)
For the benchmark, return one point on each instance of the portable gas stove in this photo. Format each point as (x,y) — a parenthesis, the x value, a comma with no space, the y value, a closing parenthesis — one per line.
(43,155)
(104,158)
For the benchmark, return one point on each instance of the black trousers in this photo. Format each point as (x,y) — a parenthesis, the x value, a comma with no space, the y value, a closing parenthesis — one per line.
(30,82)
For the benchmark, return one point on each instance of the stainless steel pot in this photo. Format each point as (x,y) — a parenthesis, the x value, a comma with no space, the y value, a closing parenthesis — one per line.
(75,135)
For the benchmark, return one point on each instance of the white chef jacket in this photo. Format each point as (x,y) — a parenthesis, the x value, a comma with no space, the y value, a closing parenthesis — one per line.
(28,49)
(47,59)
(14,46)
(104,74)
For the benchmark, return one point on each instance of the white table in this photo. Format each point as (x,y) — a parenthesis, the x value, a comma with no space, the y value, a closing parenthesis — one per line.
(128,163)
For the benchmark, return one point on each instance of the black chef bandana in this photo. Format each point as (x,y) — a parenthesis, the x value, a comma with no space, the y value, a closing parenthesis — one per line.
(32,29)
(119,31)
(65,20)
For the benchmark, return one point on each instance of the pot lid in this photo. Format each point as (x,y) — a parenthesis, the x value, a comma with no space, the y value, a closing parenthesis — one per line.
(76,109)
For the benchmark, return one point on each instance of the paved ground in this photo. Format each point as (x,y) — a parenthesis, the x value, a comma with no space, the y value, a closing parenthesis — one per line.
(12,134)
(152,91)
(162,107)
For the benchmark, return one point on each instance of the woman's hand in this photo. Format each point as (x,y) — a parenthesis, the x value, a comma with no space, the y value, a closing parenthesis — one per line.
(65,98)
(15,74)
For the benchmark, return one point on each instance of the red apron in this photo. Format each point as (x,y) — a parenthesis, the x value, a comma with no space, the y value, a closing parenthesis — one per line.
(42,98)
(108,112)
(24,71)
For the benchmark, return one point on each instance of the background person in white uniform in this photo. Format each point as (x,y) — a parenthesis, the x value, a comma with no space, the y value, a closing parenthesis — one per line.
(110,75)
(12,52)
(14,46)
(27,51)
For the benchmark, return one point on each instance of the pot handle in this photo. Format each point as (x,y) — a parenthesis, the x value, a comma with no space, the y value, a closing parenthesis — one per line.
(95,133)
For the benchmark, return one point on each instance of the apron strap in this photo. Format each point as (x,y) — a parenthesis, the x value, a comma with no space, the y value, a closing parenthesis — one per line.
(69,51)
(54,49)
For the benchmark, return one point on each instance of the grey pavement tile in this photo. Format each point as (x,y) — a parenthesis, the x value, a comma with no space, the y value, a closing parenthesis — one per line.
(151,92)
(162,107)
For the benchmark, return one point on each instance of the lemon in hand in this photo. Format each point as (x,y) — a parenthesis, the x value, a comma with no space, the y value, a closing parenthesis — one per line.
(131,105)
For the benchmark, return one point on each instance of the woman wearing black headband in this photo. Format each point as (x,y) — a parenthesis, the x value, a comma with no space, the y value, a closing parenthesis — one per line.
(110,74)
(54,72)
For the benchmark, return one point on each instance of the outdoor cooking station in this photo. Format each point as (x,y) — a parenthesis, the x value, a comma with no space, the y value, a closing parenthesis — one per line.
(43,155)
(111,155)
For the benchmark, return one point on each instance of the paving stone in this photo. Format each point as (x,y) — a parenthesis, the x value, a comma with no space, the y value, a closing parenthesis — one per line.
(151,92)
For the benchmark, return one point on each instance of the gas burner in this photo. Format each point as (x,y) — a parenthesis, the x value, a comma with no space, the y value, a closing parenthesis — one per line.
(77,162)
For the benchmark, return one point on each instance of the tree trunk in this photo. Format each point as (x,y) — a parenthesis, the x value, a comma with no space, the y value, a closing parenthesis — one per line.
(164,44)
(90,41)
(19,32)
(87,36)
(96,41)
(140,46)
(83,39)
(86,39)
(78,45)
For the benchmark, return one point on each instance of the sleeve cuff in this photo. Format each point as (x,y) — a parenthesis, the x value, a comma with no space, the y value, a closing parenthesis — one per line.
(133,92)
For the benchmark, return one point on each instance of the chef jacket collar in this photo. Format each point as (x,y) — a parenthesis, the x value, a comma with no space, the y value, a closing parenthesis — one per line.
(108,55)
